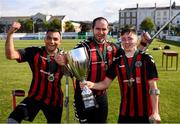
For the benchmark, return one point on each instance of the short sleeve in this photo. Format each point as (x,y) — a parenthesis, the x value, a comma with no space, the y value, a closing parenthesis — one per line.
(27,54)
(111,72)
(151,67)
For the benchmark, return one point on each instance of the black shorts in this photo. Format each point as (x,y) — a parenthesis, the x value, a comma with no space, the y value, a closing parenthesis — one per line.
(127,119)
(95,115)
(29,108)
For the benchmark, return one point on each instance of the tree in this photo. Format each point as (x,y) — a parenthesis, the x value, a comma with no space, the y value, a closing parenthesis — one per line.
(2,26)
(147,25)
(176,30)
(28,26)
(21,30)
(69,27)
(46,25)
(55,24)
(85,27)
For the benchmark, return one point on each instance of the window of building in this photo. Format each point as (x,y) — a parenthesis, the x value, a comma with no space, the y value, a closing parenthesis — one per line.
(133,21)
(122,21)
(152,14)
(165,13)
(158,14)
(133,14)
(122,14)
(128,14)
(127,21)
(158,22)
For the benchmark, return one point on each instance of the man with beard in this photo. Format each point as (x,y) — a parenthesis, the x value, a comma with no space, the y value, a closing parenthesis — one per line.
(101,53)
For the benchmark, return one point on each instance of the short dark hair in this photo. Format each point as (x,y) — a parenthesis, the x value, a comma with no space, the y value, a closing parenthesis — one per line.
(53,30)
(128,29)
(98,18)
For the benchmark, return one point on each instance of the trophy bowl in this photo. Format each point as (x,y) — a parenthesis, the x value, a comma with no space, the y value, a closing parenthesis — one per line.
(78,62)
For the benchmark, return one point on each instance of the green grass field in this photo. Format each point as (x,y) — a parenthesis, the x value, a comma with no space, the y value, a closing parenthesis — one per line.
(18,76)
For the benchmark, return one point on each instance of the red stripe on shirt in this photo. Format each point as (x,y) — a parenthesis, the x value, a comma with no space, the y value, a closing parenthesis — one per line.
(94,64)
(42,85)
(124,101)
(139,88)
(131,102)
(131,113)
(49,93)
(56,88)
(36,70)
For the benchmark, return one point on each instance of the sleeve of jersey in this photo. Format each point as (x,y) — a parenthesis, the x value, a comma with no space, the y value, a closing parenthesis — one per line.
(26,54)
(118,50)
(151,68)
(111,72)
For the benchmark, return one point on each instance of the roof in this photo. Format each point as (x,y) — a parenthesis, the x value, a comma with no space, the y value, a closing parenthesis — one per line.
(158,8)
(11,19)
(59,17)
(40,15)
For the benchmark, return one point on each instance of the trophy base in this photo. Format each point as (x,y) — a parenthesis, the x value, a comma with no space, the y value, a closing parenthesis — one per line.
(90,105)
(88,99)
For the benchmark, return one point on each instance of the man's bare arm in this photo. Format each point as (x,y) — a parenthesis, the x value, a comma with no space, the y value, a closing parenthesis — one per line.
(99,85)
(10,51)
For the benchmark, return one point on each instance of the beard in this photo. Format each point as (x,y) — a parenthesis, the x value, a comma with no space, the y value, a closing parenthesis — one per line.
(100,38)
(51,49)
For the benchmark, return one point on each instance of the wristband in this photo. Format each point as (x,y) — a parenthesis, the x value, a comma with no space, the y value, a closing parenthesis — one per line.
(154,92)
(143,44)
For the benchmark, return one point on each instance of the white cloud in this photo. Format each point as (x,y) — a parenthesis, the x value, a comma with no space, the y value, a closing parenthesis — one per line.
(74,9)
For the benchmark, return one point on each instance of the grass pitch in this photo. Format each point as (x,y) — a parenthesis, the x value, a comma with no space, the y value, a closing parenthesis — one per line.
(18,76)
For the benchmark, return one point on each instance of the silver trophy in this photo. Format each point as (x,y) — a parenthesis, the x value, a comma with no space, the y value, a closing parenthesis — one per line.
(78,62)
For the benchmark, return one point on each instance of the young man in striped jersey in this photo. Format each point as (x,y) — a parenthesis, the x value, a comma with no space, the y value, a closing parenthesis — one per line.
(137,76)
(45,91)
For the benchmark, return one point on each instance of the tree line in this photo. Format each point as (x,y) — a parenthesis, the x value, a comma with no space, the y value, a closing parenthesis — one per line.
(30,26)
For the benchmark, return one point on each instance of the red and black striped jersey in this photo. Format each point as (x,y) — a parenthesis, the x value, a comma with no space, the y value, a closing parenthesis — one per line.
(135,99)
(98,64)
(41,88)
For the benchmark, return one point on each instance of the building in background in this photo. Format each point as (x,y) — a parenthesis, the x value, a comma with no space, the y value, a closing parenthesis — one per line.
(160,15)
(38,19)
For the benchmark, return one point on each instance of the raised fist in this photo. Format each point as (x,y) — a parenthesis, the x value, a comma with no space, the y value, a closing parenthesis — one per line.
(145,37)
(14,27)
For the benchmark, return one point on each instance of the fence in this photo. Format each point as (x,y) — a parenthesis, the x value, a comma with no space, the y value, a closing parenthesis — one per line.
(41,35)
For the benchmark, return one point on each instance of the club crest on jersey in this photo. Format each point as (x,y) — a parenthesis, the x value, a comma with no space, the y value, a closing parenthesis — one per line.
(109,48)
(138,64)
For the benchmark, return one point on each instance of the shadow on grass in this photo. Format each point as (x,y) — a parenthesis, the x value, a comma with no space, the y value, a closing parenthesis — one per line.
(175,43)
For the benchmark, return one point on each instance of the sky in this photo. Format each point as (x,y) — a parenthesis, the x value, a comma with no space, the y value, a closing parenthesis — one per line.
(77,10)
